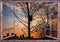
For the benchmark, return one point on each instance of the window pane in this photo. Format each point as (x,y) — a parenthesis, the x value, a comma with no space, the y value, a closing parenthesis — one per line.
(7,21)
(54,33)
(48,32)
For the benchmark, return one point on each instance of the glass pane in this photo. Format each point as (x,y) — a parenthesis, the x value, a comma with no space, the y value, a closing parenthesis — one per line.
(54,17)
(53,33)
(39,19)
(48,32)
(54,24)
(7,20)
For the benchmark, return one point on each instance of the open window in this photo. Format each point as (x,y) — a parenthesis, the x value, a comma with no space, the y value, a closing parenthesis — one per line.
(37,20)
